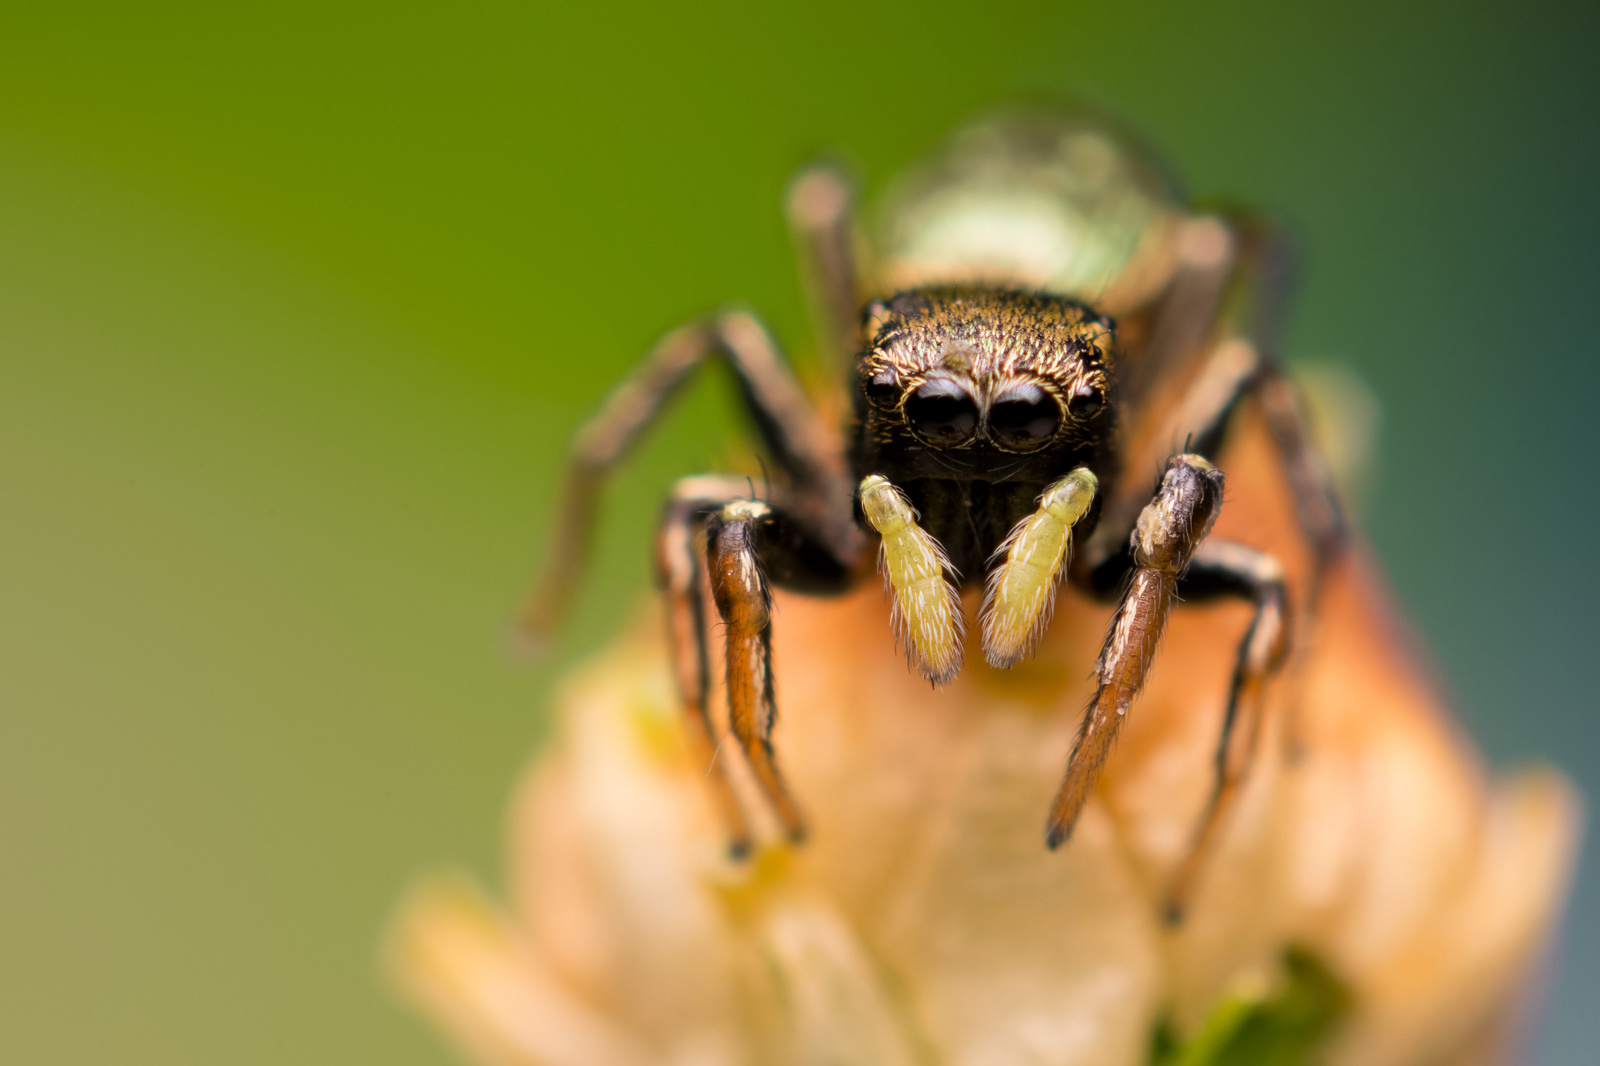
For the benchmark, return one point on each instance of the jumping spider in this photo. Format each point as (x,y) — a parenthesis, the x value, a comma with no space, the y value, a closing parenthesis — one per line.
(999,419)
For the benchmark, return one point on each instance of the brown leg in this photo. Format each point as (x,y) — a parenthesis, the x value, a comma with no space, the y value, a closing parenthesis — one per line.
(1226,568)
(1235,370)
(1256,314)
(678,569)
(1168,531)
(1160,383)
(1216,341)
(1315,499)
(800,442)
(1186,316)
(1320,517)
(821,217)
(744,602)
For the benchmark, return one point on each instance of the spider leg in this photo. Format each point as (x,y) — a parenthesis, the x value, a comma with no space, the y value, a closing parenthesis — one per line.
(678,569)
(1266,283)
(1198,418)
(1317,509)
(1224,568)
(1021,590)
(1192,375)
(1234,371)
(1315,499)
(925,601)
(748,544)
(1168,531)
(820,206)
(800,442)
(1185,316)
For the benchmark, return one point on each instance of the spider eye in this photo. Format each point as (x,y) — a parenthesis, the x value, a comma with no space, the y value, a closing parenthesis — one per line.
(1085,401)
(941,413)
(882,389)
(1023,417)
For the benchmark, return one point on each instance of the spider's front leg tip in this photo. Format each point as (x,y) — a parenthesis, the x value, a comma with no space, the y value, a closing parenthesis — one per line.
(1056,834)
(792,822)
(1065,810)
(738,849)
(1173,909)
(1180,890)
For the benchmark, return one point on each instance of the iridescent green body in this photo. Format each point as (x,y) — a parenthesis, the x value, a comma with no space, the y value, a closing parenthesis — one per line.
(1050,204)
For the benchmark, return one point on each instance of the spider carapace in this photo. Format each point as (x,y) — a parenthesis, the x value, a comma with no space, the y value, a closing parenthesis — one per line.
(1050,351)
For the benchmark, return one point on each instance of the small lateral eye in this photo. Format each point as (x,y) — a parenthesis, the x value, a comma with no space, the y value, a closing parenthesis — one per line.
(1085,401)
(941,413)
(1023,417)
(882,389)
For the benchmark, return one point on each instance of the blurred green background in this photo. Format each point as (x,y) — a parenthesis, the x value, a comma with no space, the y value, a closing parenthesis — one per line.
(298,303)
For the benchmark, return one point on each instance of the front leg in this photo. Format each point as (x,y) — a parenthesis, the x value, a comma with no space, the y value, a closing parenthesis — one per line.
(749,544)
(1169,530)
(746,541)
(681,576)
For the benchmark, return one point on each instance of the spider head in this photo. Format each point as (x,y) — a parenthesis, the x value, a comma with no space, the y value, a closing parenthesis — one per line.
(984,376)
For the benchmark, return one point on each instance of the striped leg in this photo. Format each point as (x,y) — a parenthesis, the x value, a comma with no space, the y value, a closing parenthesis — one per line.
(1223,568)
(1169,529)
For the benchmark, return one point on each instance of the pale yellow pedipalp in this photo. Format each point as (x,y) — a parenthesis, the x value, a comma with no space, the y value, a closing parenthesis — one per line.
(926,608)
(1021,593)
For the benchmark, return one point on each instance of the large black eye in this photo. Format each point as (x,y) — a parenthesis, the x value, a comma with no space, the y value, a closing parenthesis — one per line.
(941,413)
(1086,400)
(882,389)
(1023,417)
